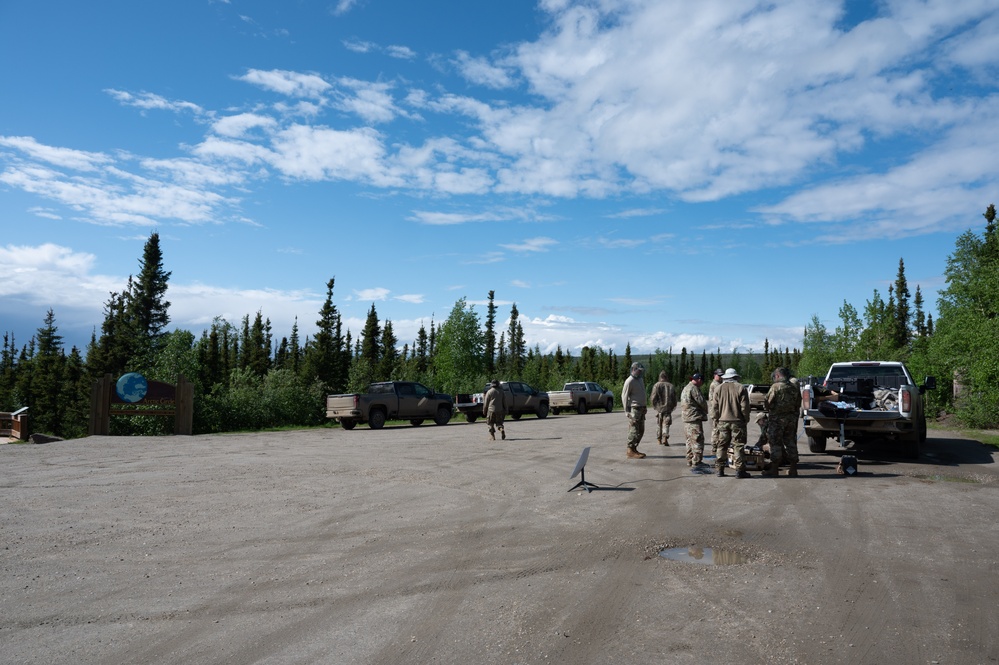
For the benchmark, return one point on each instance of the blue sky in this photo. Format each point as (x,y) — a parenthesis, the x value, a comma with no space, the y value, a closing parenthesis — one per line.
(658,173)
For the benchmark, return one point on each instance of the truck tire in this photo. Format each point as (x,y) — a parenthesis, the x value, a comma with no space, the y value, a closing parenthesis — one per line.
(555,411)
(376,419)
(416,422)
(443,416)
(471,417)
(516,416)
(609,406)
(912,447)
(817,444)
(543,410)
(581,409)
(347,423)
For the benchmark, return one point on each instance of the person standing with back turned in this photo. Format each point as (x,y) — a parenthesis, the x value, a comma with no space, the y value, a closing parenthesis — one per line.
(731,410)
(663,402)
(635,405)
(494,409)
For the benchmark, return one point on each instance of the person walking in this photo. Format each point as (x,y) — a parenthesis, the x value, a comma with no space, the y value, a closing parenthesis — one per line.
(783,404)
(494,409)
(712,389)
(635,406)
(731,410)
(663,401)
(693,412)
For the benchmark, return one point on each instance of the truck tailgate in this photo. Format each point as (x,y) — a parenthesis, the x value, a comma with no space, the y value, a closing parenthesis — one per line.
(339,406)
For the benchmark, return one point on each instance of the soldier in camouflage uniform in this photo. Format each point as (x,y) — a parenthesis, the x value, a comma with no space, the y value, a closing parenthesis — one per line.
(663,401)
(635,403)
(782,403)
(731,410)
(494,409)
(712,389)
(693,412)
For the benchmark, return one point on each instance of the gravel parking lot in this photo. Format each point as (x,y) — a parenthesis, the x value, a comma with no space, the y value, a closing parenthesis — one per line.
(433,544)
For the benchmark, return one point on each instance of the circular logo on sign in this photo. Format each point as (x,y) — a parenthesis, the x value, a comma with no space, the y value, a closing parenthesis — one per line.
(131,387)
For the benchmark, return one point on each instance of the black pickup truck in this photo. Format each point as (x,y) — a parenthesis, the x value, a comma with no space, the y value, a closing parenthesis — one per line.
(521,398)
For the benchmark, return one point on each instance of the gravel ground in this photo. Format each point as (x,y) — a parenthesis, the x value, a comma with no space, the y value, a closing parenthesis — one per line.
(434,545)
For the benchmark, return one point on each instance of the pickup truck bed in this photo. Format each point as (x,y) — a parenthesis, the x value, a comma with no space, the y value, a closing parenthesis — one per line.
(878,401)
(521,399)
(581,396)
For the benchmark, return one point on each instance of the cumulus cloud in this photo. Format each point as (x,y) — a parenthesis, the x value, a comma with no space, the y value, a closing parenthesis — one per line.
(377,293)
(292,84)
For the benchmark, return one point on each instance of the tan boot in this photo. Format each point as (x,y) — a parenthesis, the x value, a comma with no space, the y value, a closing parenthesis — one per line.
(492,436)
(634,454)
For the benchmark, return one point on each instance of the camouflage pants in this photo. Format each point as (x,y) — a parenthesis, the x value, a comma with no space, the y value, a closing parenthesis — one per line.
(731,433)
(636,426)
(695,442)
(783,440)
(495,422)
(714,437)
(663,421)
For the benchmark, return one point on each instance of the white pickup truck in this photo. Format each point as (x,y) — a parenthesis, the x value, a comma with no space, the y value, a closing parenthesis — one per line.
(581,396)
(877,401)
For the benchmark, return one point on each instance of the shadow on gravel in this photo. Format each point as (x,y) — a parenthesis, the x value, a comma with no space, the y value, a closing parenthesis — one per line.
(936,452)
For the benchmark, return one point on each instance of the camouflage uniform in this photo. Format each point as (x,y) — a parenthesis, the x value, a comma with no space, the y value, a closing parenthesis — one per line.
(693,411)
(712,389)
(783,402)
(494,409)
(731,410)
(663,401)
(635,405)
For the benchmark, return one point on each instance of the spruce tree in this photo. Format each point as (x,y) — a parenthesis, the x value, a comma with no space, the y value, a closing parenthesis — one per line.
(490,335)
(371,338)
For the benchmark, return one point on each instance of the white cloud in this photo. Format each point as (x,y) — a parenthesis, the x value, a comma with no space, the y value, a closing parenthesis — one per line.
(359,46)
(377,293)
(235,126)
(413,298)
(482,72)
(540,244)
(400,52)
(61,157)
(344,6)
(292,84)
(150,101)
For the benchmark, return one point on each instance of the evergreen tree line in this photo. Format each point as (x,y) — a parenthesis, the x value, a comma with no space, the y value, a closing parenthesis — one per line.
(961,349)
(245,379)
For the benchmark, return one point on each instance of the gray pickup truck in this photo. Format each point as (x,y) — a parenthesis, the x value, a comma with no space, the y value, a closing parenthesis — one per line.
(581,396)
(877,401)
(390,400)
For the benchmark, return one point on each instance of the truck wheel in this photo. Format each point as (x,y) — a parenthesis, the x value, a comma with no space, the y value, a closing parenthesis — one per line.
(609,406)
(555,412)
(347,423)
(543,410)
(581,409)
(516,416)
(912,448)
(817,444)
(471,417)
(376,419)
(443,416)
(416,422)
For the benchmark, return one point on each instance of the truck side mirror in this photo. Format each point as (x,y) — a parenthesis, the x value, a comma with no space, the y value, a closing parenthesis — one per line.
(930,383)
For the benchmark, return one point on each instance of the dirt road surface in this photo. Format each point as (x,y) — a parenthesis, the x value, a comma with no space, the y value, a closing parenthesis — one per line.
(434,545)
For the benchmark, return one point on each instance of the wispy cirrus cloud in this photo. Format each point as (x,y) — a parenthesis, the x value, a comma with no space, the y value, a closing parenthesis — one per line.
(540,244)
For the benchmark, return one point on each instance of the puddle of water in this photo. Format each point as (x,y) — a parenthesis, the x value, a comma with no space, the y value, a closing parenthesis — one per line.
(707,556)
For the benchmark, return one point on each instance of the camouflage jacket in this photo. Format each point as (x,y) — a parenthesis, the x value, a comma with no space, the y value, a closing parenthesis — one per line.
(783,400)
(693,406)
(663,397)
